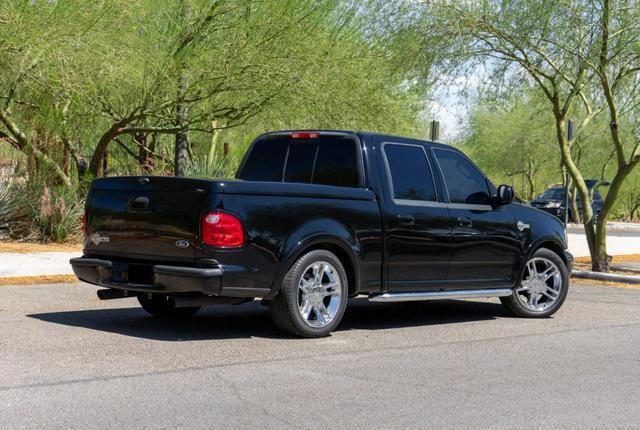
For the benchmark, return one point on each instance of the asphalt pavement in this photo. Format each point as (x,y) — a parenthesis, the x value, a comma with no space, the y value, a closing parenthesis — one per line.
(68,360)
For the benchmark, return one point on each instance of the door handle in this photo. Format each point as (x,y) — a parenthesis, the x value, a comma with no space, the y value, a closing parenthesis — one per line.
(406,219)
(465,221)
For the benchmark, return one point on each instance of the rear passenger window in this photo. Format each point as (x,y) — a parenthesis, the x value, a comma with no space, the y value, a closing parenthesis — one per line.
(266,162)
(324,160)
(411,177)
(300,162)
(337,164)
(465,183)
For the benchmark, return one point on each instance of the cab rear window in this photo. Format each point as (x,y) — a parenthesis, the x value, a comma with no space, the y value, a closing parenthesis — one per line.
(325,160)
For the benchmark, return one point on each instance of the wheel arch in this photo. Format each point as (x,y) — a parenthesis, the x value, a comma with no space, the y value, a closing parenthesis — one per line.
(342,249)
(549,243)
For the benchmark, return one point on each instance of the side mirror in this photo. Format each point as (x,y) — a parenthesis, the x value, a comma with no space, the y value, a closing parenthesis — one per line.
(505,195)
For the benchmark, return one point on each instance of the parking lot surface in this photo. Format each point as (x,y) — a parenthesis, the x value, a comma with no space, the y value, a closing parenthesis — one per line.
(69,360)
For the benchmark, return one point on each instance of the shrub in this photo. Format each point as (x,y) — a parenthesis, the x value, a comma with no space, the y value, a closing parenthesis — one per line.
(15,212)
(57,212)
(39,212)
(218,167)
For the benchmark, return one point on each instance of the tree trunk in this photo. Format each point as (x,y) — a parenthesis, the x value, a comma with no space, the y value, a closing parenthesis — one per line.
(152,149)
(213,146)
(596,246)
(95,165)
(529,174)
(81,165)
(34,155)
(105,162)
(600,260)
(65,160)
(575,213)
(181,161)
(145,158)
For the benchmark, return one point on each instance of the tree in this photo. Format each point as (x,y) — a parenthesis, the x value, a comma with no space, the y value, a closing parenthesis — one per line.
(36,42)
(562,47)
(215,65)
(140,74)
(507,136)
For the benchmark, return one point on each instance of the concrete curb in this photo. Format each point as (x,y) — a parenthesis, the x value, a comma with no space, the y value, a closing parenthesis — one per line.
(612,277)
(623,268)
(624,226)
(38,279)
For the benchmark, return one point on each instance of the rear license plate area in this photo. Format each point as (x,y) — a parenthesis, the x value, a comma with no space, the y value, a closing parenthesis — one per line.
(140,274)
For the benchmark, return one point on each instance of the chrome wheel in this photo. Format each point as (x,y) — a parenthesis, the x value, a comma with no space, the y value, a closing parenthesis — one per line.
(319,294)
(541,285)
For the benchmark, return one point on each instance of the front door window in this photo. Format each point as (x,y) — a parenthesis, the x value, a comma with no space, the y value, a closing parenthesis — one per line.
(465,184)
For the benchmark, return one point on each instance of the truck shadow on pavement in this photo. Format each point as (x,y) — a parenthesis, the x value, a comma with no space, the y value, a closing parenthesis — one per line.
(253,320)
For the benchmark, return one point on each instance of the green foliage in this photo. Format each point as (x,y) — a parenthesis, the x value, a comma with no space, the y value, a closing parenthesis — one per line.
(56,214)
(215,167)
(104,81)
(36,211)
(628,207)
(112,82)
(15,212)
(513,140)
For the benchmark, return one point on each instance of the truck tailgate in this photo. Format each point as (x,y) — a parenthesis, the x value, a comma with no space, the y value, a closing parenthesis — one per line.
(145,217)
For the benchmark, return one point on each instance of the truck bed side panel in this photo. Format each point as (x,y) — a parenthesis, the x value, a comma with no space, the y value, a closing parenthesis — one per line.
(277,225)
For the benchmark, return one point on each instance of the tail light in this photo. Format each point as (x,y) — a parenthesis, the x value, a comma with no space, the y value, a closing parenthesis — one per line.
(304,135)
(222,230)
(83,223)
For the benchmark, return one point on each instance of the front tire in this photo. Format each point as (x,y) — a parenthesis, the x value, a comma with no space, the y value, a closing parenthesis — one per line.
(543,289)
(160,306)
(313,297)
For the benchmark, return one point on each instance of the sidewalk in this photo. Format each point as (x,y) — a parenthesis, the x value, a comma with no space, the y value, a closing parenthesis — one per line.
(617,244)
(15,264)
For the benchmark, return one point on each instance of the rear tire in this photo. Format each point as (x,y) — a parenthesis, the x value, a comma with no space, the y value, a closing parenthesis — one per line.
(543,289)
(160,306)
(313,297)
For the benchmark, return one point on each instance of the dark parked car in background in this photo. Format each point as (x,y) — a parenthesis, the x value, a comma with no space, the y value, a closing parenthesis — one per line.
(315,217)
(552,200)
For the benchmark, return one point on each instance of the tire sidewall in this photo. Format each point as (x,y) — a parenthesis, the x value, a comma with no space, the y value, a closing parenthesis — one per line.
(290,290)
(520,309)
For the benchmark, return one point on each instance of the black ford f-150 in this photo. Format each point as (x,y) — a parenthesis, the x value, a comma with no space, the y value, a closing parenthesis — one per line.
(315,217)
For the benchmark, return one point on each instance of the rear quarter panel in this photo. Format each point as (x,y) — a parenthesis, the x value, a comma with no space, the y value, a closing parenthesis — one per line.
(280,227)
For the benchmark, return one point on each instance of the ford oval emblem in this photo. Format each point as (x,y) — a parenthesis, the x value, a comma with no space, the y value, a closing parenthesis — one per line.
(182,243)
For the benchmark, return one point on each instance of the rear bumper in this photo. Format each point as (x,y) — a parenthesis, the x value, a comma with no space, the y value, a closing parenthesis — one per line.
(162,279)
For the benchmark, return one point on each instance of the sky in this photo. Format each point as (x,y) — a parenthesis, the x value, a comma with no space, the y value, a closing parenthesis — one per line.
(450,104)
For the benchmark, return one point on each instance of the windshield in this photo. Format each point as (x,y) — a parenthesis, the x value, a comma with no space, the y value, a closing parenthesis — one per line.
(553,194)
(558,194)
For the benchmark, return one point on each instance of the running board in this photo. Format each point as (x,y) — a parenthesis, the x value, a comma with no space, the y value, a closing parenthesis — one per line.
(440,295)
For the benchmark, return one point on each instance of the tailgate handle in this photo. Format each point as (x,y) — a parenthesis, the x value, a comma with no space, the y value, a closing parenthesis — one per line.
(139,204)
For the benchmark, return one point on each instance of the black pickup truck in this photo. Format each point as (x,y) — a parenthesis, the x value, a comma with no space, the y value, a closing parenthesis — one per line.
(316,217)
